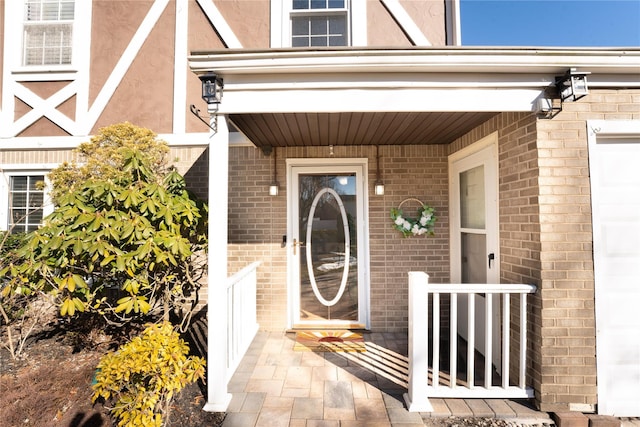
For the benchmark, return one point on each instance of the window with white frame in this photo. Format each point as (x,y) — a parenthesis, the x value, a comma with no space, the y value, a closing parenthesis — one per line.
(315,23)
(48,32)
(26,202)
(320,23)
(24,196)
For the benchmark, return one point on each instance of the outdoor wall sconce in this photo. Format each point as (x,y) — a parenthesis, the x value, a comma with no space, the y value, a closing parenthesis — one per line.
(378,186)
(212,86)
(573,85)
(547,107)
(274,187)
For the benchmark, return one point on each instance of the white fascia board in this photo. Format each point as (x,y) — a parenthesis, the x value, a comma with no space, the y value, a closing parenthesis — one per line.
(397,100)
(459,60)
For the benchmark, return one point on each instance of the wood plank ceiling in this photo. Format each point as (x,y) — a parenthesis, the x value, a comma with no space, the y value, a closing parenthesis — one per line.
(353,128)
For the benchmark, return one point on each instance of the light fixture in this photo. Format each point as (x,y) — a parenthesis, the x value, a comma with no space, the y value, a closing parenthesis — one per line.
(378,185)
(212,86)
(573,85)
(274,187)
(547,107)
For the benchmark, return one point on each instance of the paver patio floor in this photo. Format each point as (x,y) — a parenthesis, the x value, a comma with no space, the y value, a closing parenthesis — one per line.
(276,385)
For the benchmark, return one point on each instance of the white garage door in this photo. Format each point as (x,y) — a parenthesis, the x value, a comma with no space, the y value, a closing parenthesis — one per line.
(614,158)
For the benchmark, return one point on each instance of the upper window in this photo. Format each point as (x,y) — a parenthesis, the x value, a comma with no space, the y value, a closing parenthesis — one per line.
(311,23)
(319,23)
(26,202)
(48,32)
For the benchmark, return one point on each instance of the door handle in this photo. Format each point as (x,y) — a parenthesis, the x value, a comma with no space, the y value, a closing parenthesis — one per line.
(295,244)
(492,257)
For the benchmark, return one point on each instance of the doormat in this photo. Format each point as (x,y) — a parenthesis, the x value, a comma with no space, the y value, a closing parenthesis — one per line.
(330,341)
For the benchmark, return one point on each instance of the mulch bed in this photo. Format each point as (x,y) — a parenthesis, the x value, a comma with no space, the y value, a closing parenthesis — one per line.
(51,386)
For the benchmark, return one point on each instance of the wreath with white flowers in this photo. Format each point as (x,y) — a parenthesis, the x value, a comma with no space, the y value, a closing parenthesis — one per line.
(423,224)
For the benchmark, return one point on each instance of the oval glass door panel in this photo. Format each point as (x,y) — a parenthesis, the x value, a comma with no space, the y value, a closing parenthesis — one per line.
(328,264)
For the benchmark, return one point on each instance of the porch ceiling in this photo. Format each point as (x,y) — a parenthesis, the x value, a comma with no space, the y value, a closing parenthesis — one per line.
(356,128)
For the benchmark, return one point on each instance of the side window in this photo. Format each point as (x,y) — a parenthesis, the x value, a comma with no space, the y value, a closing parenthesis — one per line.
(48,32)
(320,23)
(26,202)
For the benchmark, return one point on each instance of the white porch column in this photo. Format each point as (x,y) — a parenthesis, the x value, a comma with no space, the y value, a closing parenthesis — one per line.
(218,399)
(417,398)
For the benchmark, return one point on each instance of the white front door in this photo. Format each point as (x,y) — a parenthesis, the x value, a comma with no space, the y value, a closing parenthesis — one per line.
(614,156)
(327,243)
(475,244)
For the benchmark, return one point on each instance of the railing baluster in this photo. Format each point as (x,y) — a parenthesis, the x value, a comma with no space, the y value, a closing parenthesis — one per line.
(471,343)
(453,339)
(506,316)
(420,386)
(436,340)
(488,339)
(523,339)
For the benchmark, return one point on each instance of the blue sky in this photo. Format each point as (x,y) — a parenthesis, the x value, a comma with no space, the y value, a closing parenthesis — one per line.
(566,23)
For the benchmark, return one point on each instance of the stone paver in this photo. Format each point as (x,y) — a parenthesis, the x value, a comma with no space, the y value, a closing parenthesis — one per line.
(277,386)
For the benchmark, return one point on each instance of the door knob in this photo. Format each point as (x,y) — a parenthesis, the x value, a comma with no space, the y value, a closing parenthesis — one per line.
(492,257)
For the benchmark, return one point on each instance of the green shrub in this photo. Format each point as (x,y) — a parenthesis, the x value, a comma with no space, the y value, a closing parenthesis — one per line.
(141,378)
(122,240)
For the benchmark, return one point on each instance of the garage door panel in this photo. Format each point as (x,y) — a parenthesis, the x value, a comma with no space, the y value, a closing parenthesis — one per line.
(621,238)
(615,190)
(623,307)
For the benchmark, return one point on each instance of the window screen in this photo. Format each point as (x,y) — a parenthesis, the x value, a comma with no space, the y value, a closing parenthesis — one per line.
(48,32)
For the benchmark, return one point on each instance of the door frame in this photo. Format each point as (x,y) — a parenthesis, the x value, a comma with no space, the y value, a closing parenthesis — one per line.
(469,157)
(330,165)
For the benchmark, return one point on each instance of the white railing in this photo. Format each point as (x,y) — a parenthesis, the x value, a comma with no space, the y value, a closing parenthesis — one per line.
(425,381)
(242,325)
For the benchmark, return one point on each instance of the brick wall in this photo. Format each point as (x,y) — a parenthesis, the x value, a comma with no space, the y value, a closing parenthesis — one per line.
(258,221)
(518,223)
(568,363)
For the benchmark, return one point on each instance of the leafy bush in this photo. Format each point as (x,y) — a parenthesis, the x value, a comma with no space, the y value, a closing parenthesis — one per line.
(122,240)
(141,378)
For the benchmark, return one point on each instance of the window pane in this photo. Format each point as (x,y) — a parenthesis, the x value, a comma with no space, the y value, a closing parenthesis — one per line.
(36,200)
(336,4)
(474,249)
(18,216)
(32,11)
(337,25)
(19,200)
(300,42)
(35,181)
(318,4)
(300,26)
(472,198)
(319,41)
(318,26)
(337,41)
(301,4)
(50,12)
(19,183)
(67,11)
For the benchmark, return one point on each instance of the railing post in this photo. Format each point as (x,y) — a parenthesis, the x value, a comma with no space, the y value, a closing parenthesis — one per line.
(416,398)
